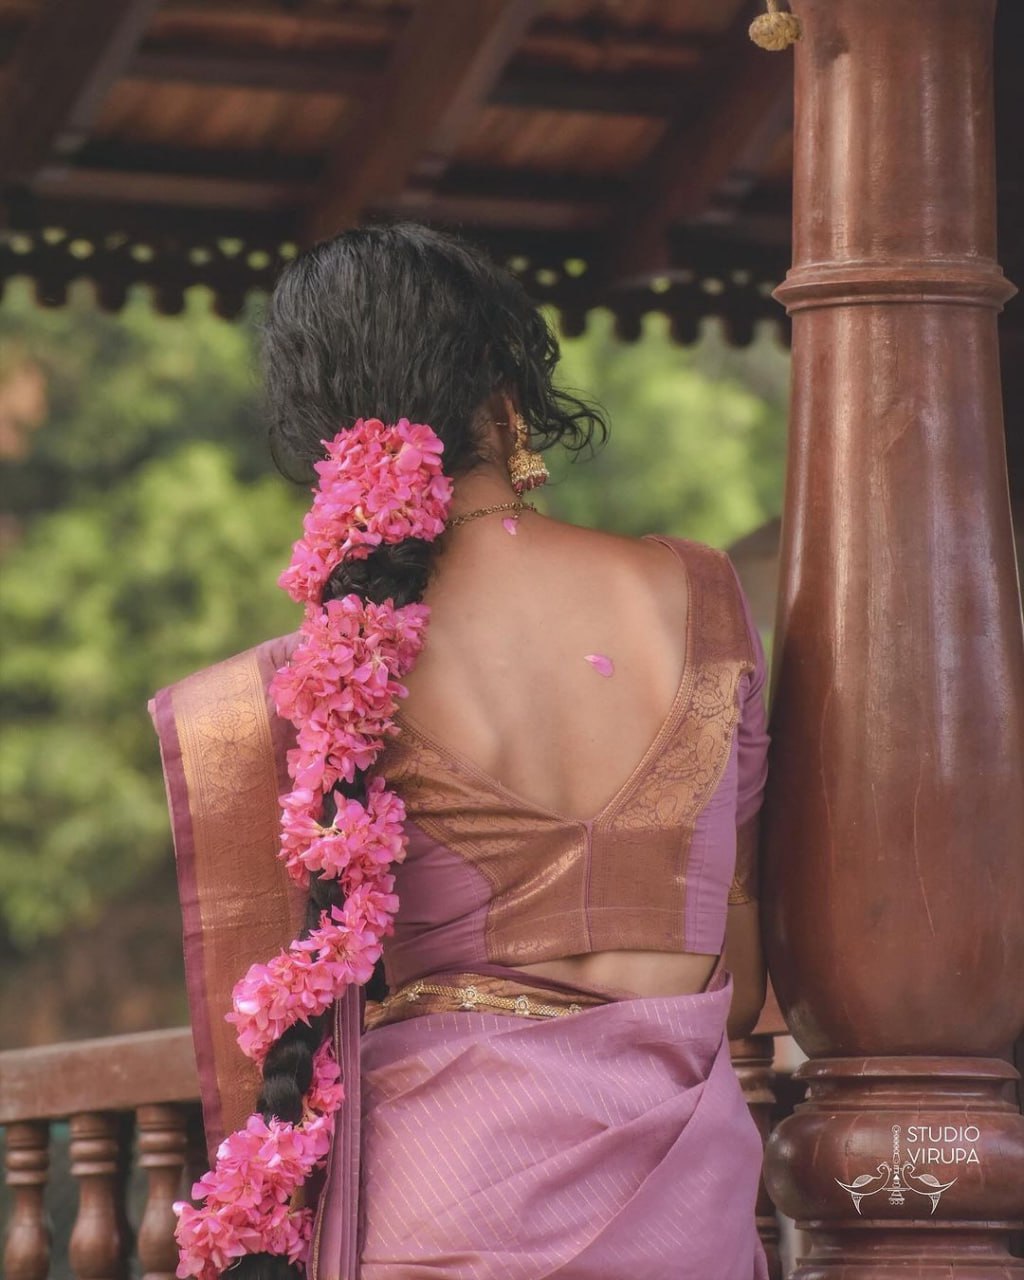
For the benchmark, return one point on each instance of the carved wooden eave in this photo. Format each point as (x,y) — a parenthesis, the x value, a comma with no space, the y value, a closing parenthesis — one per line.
(632,155)
(710,277)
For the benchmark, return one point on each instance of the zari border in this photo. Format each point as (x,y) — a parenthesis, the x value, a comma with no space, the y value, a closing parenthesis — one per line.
(223,759)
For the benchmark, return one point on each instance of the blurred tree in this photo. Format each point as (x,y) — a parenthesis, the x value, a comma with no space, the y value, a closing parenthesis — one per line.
(101,604)
(693,451)
(143,536)
(122,390)
(146,534)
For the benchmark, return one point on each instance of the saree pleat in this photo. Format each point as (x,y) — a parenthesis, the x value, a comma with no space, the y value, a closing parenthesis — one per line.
(612,1143)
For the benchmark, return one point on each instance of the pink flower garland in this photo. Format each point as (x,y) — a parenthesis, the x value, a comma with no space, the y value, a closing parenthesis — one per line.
(379,484)
(340,689)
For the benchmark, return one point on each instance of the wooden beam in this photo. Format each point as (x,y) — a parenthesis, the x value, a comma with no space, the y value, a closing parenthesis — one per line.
(344,72)
(592,42)
(197,162)
(97,219)
(157,159)
(722,139)
(67,182)
(354,73)
(61,71)
(501,207)
(466,208)
(116,1073)
(443,69)
(469,195)
(109,220)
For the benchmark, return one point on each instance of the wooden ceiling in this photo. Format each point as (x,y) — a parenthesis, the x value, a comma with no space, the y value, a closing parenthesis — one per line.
(632,153)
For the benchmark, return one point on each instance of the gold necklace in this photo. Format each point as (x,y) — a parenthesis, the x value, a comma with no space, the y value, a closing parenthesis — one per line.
(516,506)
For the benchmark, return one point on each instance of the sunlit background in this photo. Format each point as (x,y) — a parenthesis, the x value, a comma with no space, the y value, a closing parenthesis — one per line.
(143,532)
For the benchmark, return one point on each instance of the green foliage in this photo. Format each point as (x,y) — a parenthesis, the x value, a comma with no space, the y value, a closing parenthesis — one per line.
(124,389)
(148,539)
(101,605)
(149,531)
(693,451)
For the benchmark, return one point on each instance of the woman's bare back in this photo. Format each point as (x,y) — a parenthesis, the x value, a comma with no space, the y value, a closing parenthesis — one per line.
(504,683)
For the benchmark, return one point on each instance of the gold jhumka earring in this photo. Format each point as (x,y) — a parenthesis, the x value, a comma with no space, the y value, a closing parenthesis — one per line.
(526,467)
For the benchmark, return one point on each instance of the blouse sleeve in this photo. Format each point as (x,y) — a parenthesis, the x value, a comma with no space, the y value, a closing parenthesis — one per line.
(752,761)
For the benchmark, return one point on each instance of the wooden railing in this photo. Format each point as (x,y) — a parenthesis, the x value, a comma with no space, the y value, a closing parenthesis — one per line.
(122,1096)
(131,1104)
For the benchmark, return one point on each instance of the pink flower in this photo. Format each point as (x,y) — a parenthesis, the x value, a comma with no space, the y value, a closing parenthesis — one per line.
(359,842)
(246,1196)
(326,1093)
(340,687)
(301,983)
(378,484)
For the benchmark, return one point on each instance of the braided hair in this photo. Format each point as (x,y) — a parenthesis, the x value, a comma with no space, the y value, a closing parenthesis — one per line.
(393,322)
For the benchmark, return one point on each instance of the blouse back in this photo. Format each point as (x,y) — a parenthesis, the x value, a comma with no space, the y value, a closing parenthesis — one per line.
(491,877)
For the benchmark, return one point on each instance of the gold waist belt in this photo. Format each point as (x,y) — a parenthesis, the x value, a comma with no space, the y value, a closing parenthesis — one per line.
(469,991)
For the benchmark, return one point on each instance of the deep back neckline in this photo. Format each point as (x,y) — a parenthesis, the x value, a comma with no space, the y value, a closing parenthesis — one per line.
(679,703)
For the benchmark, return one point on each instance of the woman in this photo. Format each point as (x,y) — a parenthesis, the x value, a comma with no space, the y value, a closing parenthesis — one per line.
(545,1090)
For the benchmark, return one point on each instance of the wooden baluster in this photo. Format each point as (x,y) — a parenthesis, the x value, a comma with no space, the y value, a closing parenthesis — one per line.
(752,1057)
(892,879)
(197,1159)
(27,1247)
(162,1147)
(99,1241)
(126,1147)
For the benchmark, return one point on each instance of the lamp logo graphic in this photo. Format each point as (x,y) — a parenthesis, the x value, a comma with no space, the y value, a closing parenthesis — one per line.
(900,1177)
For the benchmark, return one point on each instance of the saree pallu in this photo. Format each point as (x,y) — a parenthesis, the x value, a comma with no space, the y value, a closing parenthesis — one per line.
(613,1143)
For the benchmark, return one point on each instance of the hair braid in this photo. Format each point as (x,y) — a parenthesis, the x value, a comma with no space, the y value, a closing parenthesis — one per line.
(390,324)
(399,572)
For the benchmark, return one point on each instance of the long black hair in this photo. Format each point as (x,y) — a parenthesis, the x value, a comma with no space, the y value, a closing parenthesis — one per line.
(393,322)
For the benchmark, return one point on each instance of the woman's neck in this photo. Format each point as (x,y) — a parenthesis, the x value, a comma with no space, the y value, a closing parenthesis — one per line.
(483,487)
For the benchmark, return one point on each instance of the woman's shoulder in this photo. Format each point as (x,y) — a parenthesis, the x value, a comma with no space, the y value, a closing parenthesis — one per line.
(705,565)
(716,560)
(628,564)
(692,547)
(712,572)
(634,546)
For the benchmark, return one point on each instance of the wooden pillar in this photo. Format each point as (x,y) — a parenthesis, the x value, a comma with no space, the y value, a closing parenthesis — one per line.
(894,820)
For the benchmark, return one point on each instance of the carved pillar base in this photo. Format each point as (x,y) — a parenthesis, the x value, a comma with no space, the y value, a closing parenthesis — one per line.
(903,1167)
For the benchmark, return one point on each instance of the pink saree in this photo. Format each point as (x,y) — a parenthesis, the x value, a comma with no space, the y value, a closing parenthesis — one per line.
(614,1142)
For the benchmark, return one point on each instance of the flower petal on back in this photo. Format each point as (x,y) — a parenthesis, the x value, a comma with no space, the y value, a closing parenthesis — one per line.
(601,663)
